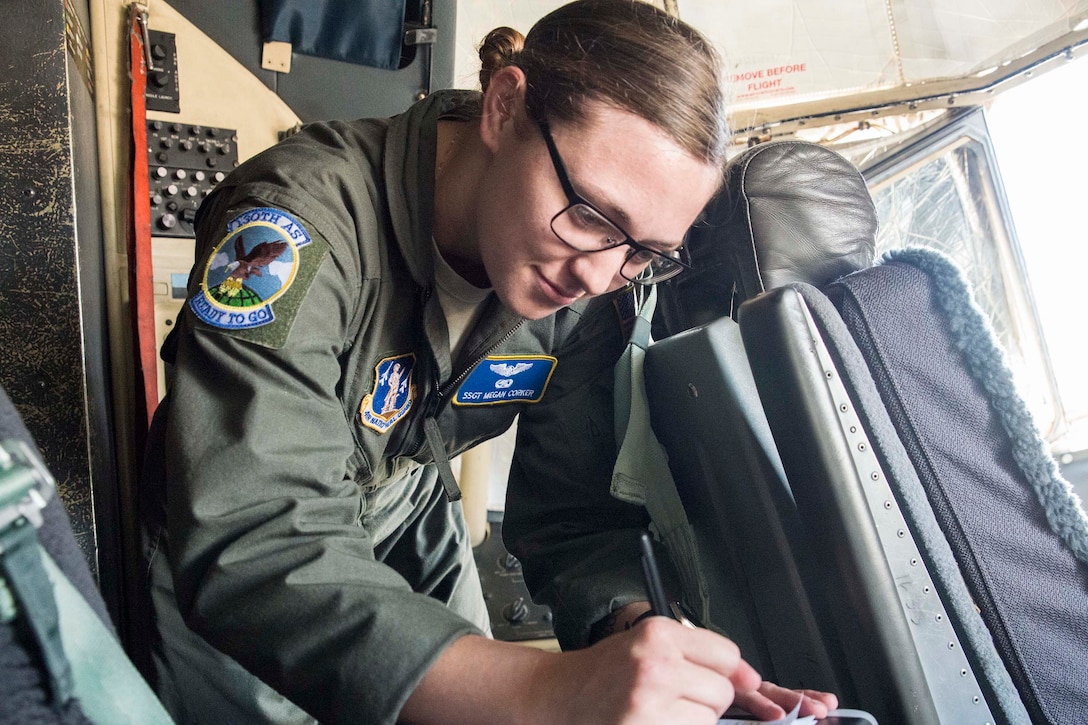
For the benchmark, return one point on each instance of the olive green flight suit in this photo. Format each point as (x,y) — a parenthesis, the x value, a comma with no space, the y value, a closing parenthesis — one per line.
(297,522)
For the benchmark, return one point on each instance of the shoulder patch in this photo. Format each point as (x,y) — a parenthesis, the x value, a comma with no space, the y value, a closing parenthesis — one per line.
(257,275)
(506,379)
(392,395)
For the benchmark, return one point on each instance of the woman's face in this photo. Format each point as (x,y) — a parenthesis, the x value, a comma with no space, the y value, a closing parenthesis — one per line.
(623,165)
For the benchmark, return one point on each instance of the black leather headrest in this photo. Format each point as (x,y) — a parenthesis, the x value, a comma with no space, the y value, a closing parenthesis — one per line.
(789,211)
(793,211)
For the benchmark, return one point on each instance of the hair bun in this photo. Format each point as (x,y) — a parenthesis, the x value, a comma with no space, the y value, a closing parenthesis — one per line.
(497,51)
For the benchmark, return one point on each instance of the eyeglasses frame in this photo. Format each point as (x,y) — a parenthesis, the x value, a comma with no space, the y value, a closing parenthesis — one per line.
(574,199)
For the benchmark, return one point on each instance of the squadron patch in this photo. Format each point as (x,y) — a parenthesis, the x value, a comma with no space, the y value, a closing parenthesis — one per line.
(392,395)
(506,379)
(252,266)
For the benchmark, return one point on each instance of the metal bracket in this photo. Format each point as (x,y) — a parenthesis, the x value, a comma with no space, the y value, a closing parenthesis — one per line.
(25,484)
(421,36)
(142,18)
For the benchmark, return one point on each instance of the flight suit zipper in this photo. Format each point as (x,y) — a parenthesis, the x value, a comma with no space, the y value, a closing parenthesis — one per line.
(431,432)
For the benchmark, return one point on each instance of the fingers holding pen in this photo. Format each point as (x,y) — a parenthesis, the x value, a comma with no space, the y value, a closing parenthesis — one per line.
(705,649)
(692,666)
(713,651)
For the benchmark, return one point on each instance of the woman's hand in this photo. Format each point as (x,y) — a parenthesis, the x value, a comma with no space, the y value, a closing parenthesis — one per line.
(771,702)
(658,671)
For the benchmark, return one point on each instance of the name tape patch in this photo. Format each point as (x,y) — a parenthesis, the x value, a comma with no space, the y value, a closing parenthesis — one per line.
(252,266)
(506,379)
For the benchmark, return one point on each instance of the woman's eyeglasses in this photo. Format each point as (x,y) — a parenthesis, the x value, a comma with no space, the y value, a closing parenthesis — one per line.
(582,227)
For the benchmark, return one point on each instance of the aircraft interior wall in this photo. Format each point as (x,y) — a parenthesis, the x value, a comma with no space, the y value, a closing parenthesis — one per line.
(54,357)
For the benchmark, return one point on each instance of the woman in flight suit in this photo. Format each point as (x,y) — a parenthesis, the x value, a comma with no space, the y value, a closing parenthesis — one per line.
(370,299)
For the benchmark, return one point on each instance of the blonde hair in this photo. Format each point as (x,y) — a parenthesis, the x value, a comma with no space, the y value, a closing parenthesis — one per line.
(626,53)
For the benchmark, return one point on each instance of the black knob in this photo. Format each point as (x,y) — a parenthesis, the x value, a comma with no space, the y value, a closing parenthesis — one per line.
(156,125)
(167,221)
(162,157)
(156,199)
(158,52)
(186,145)
(171,190)
(218,176)
(190,192)
(180,174)
(211,162)
(510,563)
(171,206)
(160,79)
(224,149)
(161,172)
(212,132)
(166,143)
(516,611)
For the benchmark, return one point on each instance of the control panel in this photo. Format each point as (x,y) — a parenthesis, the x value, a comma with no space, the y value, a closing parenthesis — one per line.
(513,615)
(185,162)
(162,93)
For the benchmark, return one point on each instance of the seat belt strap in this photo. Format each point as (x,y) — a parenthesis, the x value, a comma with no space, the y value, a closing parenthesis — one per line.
(107,685)
(81,655)
(141,294)
(441,459)
(24,579)
(641,475)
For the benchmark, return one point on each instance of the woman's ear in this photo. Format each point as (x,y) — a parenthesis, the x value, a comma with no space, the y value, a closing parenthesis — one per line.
(504,104)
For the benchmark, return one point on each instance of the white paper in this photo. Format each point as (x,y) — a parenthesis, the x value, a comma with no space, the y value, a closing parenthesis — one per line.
(790,719)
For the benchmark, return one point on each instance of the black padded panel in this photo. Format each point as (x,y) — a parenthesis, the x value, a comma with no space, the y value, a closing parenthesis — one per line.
(706,413)
(1030,588)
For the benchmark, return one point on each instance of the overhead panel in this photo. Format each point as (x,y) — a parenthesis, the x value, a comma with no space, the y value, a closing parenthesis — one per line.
(793,59)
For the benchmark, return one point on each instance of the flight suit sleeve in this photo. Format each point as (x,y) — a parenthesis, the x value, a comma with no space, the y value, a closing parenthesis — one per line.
(270,563)
(578,545)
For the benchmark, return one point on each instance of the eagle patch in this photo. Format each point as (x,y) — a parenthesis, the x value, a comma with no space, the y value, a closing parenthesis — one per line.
(252,266)
(392,395)
(506,379)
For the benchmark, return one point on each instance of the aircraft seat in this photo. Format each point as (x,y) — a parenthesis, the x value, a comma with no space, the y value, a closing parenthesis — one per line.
(698,383)
(944,559)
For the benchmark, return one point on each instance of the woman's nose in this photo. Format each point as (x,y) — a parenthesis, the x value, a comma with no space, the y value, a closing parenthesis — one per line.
(599,272)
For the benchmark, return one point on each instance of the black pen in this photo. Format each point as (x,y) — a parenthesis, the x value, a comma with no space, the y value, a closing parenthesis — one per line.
(659,604)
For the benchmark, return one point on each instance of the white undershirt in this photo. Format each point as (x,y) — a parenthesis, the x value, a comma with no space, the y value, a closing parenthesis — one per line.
(461,301)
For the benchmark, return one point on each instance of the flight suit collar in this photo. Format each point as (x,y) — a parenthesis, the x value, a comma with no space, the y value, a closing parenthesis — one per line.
(410,148)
